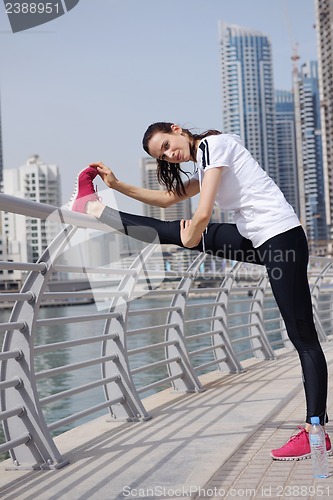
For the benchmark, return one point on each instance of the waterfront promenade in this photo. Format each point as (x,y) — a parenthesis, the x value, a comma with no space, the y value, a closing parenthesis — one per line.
(208,438)
(212,444)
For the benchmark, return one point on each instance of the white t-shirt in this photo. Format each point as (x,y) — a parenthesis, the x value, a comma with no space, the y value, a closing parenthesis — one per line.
(261,210)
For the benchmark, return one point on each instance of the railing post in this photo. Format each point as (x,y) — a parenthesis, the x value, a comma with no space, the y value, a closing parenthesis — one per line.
(132,408)
(187,380)
(39,452)
(259,341)
(220,325)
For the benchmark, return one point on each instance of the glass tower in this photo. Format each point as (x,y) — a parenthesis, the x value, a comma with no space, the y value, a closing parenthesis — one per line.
(315,214)
(286,146)
(324,27)
(248,92)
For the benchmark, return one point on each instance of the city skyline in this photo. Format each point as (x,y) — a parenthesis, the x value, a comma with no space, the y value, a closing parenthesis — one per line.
(84,87)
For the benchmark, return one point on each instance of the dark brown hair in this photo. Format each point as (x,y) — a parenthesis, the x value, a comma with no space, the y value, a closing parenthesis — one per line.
(169,174)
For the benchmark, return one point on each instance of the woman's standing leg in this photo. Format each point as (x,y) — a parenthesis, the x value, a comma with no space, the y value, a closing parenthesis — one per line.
(286,260)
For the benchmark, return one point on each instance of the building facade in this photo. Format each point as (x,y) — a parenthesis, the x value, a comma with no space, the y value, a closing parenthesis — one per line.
(286,146)
(28,237)
(324,27)
(309,144)
(248,101)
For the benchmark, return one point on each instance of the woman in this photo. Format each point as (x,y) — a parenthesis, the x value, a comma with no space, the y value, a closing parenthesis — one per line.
(266,231)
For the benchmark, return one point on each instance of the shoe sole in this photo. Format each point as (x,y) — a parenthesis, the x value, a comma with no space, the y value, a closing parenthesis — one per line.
(72,200)
(75,192)
(284,459)
(303,457)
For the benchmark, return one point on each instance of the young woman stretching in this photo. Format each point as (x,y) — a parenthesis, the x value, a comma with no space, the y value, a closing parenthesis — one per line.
(266,231)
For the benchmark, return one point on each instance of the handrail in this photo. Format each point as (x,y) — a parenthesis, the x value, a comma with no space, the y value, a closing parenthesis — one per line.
(43,211)
(206,320)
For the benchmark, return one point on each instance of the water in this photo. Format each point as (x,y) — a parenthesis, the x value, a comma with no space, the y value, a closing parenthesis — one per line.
(52,334)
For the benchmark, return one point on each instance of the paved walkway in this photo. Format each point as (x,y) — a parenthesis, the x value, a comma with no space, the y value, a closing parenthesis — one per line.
(214,445)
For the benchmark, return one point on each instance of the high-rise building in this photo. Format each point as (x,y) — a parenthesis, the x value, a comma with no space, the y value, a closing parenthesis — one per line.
(248,102)
(324,26)
(310,148)
(312,154)
(28,237)
(181,210)
(286,146)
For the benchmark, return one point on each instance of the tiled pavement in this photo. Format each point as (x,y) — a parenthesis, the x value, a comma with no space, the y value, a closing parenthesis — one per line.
(249,473)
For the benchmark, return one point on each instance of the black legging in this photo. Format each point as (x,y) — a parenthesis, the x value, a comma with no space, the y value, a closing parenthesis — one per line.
(285,257)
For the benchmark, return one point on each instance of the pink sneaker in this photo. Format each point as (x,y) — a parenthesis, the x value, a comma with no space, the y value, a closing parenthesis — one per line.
(297,448)
(84,190)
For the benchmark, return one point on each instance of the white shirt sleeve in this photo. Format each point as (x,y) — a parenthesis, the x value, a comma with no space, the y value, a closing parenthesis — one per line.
(220,151)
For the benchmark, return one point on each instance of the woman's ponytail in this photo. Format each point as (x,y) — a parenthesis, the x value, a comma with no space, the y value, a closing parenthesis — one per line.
(168,175)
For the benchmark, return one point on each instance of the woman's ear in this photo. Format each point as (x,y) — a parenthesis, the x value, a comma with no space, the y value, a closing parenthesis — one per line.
(176,128)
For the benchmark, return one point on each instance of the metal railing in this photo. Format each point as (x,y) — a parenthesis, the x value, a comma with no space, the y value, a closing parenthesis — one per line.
(140,329)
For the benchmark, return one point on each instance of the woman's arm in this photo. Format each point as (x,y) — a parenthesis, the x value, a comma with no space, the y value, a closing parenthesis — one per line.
(191,230)
(155,197)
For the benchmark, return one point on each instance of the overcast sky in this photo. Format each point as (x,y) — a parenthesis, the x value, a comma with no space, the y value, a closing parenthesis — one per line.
(85,86)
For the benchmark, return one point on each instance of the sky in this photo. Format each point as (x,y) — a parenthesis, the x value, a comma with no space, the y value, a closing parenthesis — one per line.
(84,87)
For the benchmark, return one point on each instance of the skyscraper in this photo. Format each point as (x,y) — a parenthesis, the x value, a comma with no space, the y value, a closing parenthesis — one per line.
(248,92)
(181,210)
(310,147)
(324,26)
(28,237)
(312,153)
(286,146)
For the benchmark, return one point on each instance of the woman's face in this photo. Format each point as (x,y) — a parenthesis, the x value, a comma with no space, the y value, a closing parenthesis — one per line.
(172,147)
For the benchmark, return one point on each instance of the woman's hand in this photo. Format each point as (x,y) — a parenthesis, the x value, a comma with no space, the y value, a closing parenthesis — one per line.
(191,230)
(189,240)
(105,173)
